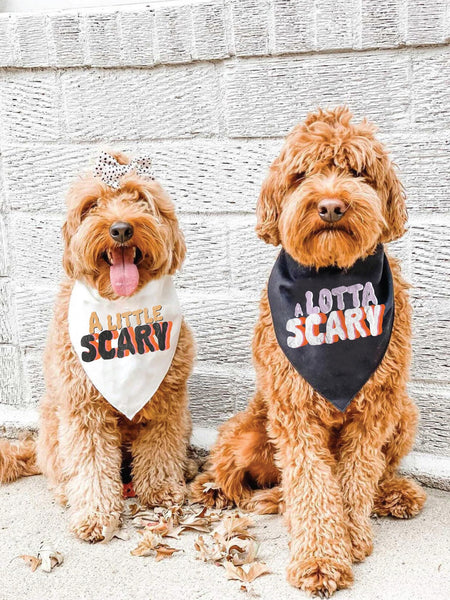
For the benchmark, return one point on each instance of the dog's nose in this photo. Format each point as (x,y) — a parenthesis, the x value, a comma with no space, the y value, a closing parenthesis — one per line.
(331,209)
(121,231)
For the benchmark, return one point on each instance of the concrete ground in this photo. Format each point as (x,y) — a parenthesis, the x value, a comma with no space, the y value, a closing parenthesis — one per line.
(411,560)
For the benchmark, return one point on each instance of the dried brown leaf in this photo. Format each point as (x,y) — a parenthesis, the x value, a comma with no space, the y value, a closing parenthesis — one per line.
(152,544)
(142,516)
(49,556)
(210,485)
(201,528)
(215,515)
(164,551)
(235,525)
(247,573)
(196,519)
(162,528)
(149,543)
(113,530)
(32,561)
(140,523)
(195,522)
(174,513)
(241,552)
(208,549)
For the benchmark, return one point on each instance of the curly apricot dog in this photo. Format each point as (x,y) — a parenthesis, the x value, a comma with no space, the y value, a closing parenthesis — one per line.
(118,240)
(331,198)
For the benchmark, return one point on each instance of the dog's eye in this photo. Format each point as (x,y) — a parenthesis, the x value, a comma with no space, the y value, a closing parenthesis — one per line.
(90,206)
(298,178)
(355,173)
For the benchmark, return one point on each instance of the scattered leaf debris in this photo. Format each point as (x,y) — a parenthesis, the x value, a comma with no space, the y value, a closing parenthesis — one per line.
(150,541)
(114,531)
(235,525)
(164,551)
(246,573)
(210,485)
(32,561)
(152,545)
(232,546)
(223,538)
(47,558)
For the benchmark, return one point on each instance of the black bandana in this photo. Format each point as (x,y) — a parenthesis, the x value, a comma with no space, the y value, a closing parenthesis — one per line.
(333,324)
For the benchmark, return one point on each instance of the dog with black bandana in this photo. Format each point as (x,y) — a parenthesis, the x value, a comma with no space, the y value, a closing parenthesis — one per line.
(331,418)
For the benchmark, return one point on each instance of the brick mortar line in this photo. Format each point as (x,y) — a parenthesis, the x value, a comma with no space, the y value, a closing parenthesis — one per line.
(415,135)
(226,293)
(402,48)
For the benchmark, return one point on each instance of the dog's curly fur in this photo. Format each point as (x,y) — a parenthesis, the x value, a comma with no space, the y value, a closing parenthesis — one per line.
(291,450)
(81,435)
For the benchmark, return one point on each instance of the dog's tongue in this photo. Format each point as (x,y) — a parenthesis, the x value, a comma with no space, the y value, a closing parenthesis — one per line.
(123,272)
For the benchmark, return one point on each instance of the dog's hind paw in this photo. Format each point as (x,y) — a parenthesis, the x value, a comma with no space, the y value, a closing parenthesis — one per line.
(264,502)
(320,576)
(399,497)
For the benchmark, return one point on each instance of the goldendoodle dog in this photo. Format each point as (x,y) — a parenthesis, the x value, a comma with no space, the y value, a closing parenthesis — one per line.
(323,436)
(118,354)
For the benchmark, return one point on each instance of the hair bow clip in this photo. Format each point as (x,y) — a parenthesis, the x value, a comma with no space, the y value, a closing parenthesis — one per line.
(110,171)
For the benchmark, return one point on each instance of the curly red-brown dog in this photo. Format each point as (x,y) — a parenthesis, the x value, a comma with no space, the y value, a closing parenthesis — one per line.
(327,460)
(117,327)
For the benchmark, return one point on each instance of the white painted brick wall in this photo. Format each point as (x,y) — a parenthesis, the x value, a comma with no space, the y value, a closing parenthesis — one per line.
(337,24)
(209,89)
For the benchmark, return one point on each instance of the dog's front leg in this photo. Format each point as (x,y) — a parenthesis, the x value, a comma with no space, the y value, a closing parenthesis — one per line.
(90,456)
(320,559)
(360,466)
(159,455)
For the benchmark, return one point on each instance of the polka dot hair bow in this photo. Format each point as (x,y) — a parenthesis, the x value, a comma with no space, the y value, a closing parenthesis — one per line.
(110,171)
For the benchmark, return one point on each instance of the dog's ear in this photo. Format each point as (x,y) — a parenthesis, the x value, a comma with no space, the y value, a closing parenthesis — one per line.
(67,254)
(268,207)
(81,197)
(396,214)
(177,237)
(179,248)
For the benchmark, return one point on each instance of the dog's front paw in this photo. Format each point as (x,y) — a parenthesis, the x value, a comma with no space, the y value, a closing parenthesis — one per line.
(361,538)
(167,493)
(89,526)
(320,576)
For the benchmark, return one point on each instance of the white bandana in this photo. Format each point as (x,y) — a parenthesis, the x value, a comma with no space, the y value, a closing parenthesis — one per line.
(126,346)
